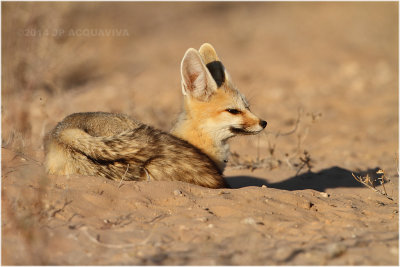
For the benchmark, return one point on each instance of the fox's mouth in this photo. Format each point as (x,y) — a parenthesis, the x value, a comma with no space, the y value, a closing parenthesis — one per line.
(243,131)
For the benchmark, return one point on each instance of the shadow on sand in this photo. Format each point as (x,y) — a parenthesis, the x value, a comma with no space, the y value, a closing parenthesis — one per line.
(320,181)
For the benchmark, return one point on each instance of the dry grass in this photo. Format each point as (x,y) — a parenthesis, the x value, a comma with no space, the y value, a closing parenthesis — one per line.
(297,160)
(371,183)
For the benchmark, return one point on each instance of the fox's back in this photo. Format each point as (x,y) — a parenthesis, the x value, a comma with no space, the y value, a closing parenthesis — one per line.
(98,123)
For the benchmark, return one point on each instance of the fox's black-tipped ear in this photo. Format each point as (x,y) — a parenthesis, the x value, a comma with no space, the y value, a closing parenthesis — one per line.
(214,65)
(197,81)
(217,71)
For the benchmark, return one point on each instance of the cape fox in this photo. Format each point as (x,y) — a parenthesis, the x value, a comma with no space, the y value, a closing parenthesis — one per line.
(196,151)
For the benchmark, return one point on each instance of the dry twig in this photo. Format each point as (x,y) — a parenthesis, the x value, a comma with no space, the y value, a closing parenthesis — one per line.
(305,161)
(123,176)
(366,180)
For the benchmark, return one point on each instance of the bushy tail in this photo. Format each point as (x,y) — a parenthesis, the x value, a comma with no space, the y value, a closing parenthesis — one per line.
(118,147)
(139,154)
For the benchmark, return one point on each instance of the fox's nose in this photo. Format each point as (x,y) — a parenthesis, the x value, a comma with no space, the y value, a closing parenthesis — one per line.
(263,123)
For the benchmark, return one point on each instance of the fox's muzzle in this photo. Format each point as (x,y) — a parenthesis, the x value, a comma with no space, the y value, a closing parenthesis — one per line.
(245,131)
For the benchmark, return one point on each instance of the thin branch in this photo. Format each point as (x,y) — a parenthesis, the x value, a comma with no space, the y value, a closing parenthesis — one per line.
(299,113)
(66,203)
(359,179)
(123,176)
(147,174)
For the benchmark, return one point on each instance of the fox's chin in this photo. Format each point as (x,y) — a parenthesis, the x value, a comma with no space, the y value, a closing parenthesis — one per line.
(243,131)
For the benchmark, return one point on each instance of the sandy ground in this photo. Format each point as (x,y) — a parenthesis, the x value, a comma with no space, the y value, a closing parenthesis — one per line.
(324,76)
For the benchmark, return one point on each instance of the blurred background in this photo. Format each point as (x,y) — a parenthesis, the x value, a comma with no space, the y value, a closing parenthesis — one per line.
(335,62)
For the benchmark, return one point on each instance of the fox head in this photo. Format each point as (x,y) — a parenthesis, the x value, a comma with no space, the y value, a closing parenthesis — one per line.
(211,99)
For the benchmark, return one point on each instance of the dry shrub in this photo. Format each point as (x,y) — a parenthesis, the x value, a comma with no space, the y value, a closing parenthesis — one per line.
(299,159)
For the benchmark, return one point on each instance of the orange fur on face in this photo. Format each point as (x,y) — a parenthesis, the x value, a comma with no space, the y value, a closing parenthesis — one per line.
(207,124)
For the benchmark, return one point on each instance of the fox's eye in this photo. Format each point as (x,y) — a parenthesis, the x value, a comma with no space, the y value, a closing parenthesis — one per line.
(233,111)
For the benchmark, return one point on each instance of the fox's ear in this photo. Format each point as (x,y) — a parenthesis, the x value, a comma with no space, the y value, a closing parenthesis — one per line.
(207,53)
(213,64)
(196,79)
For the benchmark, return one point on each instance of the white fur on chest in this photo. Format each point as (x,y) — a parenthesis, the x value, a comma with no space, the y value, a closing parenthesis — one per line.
(223,154)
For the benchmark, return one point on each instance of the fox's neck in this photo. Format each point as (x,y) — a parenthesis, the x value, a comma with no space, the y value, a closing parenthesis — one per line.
(189,130)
